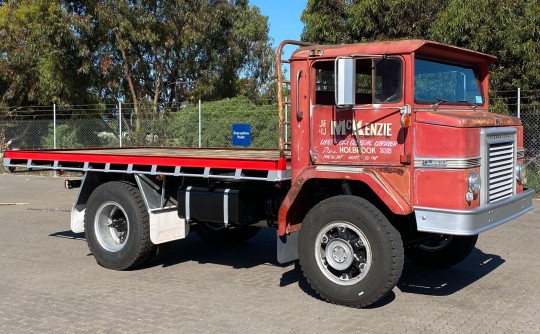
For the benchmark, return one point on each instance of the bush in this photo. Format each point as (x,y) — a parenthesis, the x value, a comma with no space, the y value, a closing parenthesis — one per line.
(533,178)
(69,136)
(217,120)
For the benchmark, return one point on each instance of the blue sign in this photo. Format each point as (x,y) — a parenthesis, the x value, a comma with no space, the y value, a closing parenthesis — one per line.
(241,134)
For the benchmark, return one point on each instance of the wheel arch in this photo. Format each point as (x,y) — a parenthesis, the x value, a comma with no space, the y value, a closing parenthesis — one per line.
(310,187)
(92,180)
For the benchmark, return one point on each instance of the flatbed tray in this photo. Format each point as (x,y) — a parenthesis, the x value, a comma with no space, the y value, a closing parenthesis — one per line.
(233,163)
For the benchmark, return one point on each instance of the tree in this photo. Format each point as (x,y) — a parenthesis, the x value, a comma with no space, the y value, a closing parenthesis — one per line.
(370,20)
(173,50)
(42,59)
(509,29)
(140,51)
(325,22)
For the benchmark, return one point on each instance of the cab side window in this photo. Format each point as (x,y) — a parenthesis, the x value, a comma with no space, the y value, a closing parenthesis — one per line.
(377,81)
(324,83)
(387,80)
(364,86)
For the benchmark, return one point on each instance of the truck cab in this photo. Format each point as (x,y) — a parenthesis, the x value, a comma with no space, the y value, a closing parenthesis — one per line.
(406,126)
(409,120)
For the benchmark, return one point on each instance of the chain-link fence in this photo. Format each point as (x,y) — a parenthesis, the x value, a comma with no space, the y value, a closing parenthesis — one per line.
(206,124)
(524,104)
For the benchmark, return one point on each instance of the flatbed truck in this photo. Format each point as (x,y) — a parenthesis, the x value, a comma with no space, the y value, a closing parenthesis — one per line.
(393,154)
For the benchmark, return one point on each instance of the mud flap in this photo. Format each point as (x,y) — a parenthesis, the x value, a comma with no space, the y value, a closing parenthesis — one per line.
(287,247)
(165,226)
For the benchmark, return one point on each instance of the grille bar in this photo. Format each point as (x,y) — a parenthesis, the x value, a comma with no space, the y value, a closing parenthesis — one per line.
(501,170)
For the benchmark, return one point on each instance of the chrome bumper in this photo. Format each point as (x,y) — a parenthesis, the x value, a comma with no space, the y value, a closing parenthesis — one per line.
(472,222)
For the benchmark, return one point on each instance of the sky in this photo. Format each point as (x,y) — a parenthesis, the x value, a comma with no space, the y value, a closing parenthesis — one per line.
(284,19)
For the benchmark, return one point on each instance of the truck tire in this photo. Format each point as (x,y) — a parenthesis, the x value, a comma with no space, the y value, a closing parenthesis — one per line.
(349,252)
(117,226)
(443,251)
(219,235)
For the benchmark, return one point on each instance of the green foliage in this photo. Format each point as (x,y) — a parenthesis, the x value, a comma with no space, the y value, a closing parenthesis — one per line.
(139,51)
(508,29)
(348,21)
(533,178)
(170,51)
(42,60)
(217,120)
(325,22)
(69,136)
(499,106)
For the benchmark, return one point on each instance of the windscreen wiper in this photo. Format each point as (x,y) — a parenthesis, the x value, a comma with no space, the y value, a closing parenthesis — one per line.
(470,104)
(438,103)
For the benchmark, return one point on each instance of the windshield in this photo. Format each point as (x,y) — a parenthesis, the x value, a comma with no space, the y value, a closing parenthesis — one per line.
(437,82)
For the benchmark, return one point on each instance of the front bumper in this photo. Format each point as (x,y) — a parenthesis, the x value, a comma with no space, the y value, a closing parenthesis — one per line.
(472,222)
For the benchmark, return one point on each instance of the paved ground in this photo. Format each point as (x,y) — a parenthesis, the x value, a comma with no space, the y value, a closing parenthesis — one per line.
(49,283)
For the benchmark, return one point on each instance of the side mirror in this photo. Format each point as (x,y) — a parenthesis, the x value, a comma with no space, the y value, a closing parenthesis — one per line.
(345,81)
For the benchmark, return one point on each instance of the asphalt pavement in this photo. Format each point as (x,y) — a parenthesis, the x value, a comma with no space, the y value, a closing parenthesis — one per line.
(50,283)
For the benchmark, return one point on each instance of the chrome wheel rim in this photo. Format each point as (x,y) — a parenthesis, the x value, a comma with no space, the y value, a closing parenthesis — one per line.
(111,226)
(343,253)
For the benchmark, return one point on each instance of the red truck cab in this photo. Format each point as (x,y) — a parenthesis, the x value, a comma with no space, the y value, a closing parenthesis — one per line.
(406,126)
(416,131)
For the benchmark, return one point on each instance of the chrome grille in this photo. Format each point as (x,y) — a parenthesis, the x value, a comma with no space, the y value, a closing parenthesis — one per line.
(501,170)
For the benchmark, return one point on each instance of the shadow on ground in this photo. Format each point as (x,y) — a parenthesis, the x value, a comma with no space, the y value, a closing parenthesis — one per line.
(261,250)
(68,235)
(443,282)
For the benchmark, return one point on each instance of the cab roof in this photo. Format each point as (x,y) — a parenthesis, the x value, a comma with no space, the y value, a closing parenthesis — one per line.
(402,47)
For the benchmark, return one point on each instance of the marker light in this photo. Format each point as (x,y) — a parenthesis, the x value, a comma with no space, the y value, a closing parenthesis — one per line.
(405,120)
(521,173)
(475,183)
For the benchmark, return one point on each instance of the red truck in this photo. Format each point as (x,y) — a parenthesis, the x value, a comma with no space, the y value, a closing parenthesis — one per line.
(393,154)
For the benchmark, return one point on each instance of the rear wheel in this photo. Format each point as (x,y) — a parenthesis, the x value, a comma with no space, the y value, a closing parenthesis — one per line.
(442,251)
(117,226)
(349,252)
(218,234)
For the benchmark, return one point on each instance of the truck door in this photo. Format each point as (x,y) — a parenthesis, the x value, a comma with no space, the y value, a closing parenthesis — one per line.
(368,132)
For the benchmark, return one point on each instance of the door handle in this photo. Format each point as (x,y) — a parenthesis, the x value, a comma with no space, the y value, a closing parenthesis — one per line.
(299,114)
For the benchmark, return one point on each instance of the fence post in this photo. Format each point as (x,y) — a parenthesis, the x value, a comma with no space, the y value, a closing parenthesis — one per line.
(200,124)
(519,103)
(120,122)
(54,126)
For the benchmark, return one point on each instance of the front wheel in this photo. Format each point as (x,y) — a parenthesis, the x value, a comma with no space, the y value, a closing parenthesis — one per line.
(442,251)
(349,252)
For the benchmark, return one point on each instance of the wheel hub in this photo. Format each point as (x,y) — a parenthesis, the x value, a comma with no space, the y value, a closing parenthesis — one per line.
(119,224)
(343,253)
(339,254)
(111,226)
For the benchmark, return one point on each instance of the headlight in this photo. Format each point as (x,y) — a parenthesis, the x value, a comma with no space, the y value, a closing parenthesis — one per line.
(521,173)
(474,183)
